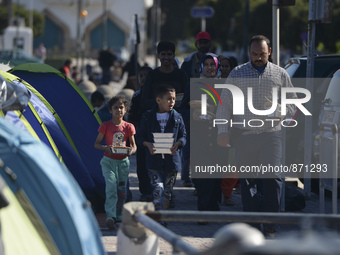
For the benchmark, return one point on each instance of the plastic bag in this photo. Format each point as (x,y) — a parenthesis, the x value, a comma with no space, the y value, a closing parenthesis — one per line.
(13,95)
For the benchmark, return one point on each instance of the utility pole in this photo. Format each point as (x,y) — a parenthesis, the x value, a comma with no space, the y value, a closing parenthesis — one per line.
(246,31)
(157,13)
(136,41)
(276,32)
(319,11)
(31,15)
(104,24)
(10,12)
(276,60)
(203,24)
(83,15)
(78,50)
(309,105)
(276,4)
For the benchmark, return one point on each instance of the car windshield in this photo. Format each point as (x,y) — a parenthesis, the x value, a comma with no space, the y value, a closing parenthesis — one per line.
(333,93)
(291,69)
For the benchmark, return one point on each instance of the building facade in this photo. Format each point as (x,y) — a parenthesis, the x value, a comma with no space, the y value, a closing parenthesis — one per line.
(107,23)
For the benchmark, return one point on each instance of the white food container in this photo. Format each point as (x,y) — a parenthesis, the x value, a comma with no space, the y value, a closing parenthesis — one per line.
(120,150)
(163,142)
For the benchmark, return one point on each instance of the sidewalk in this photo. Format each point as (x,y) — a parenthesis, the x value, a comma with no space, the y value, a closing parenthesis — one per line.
(199,236)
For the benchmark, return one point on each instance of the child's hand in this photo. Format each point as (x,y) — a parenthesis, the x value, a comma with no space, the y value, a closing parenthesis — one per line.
(174,148)
(108,149)
(132,151)
(150,147)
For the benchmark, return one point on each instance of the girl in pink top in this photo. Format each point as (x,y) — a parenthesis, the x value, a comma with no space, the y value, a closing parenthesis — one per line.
(115,167)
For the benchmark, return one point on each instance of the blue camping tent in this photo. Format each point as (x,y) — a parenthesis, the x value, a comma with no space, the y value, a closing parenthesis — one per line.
(76,112)
(51,189)
(38,119)
(21,232)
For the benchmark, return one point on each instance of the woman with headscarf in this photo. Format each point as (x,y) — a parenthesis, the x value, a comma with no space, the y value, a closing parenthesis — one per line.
(208,189)
(226,65)
(210,66)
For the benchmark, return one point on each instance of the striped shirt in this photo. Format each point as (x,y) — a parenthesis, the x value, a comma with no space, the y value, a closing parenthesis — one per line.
(246,76)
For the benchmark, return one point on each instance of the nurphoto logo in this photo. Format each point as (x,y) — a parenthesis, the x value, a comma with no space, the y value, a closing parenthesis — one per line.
(204,97)
(274,109)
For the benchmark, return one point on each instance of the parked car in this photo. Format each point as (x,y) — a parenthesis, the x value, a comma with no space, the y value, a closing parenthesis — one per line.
(331,102)
(16,57)
(324,68)
(330,110)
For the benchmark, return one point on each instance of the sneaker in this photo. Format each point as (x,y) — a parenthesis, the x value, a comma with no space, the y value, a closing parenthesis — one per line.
(269,231)
(129,198)
(172,203)
(143,198)
(149,198)
(164,224)
(228,201)
(187,183)
(237,190)
(117,225)
(110,223)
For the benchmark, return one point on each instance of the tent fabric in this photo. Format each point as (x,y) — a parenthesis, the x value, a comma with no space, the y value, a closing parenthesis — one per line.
(20,121)
(34,127)
(17,80)
(43,68)
(76,112)
(44,124)
(20,235)
(52,190)
(29,122)
(20,118)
